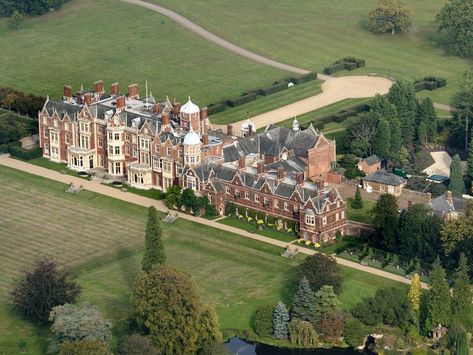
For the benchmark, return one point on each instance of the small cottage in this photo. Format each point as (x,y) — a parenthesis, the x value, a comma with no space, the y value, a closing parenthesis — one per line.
(384,182)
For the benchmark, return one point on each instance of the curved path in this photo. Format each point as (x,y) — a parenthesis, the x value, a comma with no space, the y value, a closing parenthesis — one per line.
(333,90)
(186,23)
(97,187)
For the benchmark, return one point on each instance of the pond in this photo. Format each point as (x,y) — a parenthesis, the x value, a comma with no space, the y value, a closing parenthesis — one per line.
(241,347)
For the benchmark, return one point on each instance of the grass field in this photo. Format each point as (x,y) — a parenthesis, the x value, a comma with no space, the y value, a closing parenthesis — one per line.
(313,34)
(362,214)
(267,103)
(101,240)
(90,40)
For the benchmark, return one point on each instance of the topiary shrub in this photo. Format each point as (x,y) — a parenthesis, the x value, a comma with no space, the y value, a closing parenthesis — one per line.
(431,85)
(304,78)
(350,66)
(278,86)
(264,320)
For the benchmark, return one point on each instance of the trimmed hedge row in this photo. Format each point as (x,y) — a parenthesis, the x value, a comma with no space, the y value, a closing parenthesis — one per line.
(339,117)
(277,86)
(347,63)
(21,153)
(429,83)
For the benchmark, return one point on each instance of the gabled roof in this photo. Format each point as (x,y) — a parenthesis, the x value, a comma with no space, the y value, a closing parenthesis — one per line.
(231,153)
(284,190)
(441,204)
(372,160)
(62,108)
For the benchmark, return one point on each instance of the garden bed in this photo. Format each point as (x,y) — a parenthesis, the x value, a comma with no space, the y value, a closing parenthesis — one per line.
(261,229)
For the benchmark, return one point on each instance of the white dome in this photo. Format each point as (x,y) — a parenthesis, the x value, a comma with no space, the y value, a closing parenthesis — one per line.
(190,108)
(246,124)
(191,138)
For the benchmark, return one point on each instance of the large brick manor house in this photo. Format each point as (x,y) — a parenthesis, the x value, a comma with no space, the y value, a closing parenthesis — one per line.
(150,144)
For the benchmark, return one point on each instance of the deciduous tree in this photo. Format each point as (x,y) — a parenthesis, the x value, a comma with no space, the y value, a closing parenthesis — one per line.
(454,231)
(302,334)
(354,332)
(439,306)
(304,302)
(154,246)
(455,21)
(16,20)
(169,305)
(385,219)
(456,185)
(280,321)
(83,347)
(78,323)
(390,16)
(330,326)
(41,288)
(321,270)
(415,293)
(136,344)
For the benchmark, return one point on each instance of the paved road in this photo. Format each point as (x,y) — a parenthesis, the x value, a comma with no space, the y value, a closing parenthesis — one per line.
(186,23)
(333,90)
(144,201)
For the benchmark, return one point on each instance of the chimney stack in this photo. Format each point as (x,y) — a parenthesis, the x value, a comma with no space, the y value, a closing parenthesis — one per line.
(121,103)
(88,98)
(203,113)
(300,178)
(165,119)
(176,106)
(241,162)
(250,130)
(331,196)
(280,173)
(229,129)
(260,167)
(98,85)
(67,92)
(133,91)
(449,197)
(205,139)
(157,108)
(115,89)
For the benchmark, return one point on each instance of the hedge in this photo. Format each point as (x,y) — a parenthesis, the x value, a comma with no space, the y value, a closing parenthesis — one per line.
(279,86)
(429,83)
(304,78)
(215,108)
(241,99)
(347,63)
(21,153)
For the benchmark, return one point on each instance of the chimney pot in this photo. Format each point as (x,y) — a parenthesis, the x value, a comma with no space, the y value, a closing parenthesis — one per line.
(88,99)
(300,178)
(230,130)
(241,162)
(67,92)
(280,173)
(165,119)
(205,139)
(250,130)
(203,113)
(114,89)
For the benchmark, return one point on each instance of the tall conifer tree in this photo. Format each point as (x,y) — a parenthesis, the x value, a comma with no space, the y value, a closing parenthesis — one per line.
(303,305)
(382,141)
(402,96)
(439,305)
(461,293)
(470,157)
(154,246)
(415,292)
(280,321)
(456,185)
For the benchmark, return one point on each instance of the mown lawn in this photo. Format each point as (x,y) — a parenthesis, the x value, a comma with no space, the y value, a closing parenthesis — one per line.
(90,40)
(251,227)
(101,239)
(313,34)
(361,214)
(267,103)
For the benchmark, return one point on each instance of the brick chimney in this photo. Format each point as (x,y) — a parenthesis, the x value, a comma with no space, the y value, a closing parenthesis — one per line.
(203,113)
(428,197)
(176,106)
(250,131)
(121,103)
(133,92)
(67,92)
(98,85)
(88,98)
(230,129)
(299,178)
(260,167)
(241,162)
(280,173)
(165,119)
(449,196)
(205,139)
(331,196)
(320,184)
(115,89)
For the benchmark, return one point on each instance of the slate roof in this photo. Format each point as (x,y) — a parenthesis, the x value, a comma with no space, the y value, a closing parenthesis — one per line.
(441,205)
(384,177)
(372,160)
(284,189)
(231,153)
(224,173)
(63,108)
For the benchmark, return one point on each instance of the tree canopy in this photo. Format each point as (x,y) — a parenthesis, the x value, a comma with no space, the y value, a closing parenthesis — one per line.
(169,305)
(43,287)
(385,219)
(154,246)
(390,16)
(456,185)
(438,307)
(455,20)
(30,7)
(321,270)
